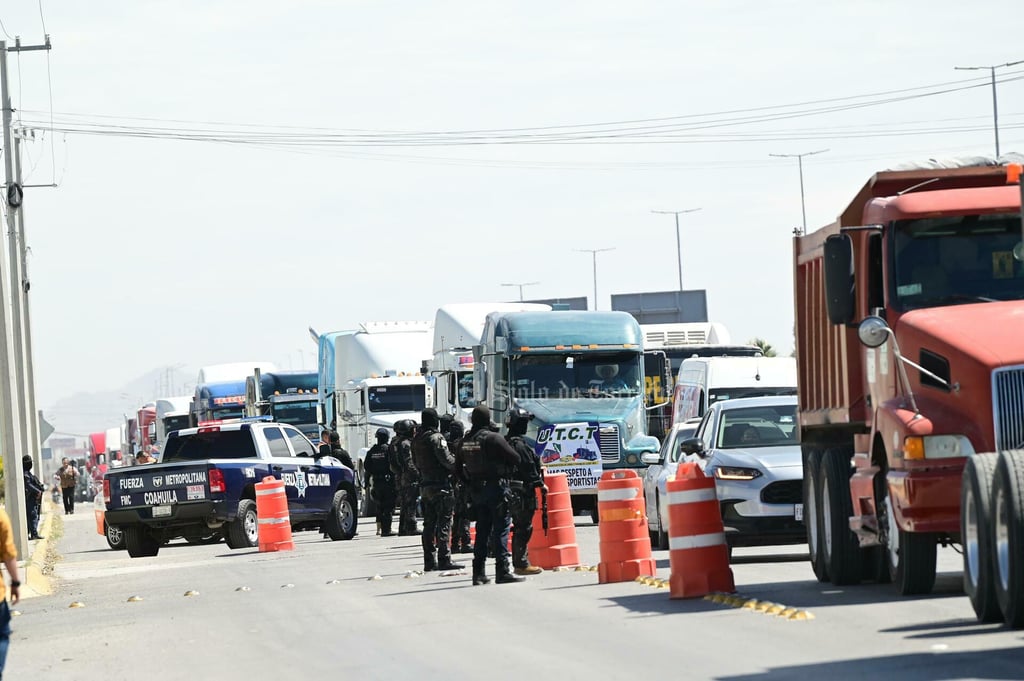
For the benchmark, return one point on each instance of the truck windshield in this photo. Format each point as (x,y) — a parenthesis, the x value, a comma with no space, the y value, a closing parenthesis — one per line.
(391,398)
(597,375)
(295,413)
(172,423)
(952,260)
(216,444)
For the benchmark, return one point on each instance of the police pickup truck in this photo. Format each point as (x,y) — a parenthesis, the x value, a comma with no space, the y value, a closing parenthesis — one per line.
(204,488)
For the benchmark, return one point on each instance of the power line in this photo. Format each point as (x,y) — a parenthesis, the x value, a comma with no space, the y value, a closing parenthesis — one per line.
(995,103)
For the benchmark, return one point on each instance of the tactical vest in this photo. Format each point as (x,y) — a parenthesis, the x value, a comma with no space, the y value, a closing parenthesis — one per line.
(431,470)
(526,470)
(481,466)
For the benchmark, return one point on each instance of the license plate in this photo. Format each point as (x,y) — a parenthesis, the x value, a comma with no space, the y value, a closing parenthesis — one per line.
(161,511)
(798,512)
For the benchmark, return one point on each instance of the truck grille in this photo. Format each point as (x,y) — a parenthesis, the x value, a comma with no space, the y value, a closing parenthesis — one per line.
(609,440)
(1008,407)
(783,492)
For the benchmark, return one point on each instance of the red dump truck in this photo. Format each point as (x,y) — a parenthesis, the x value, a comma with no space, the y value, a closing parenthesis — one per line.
(909,320)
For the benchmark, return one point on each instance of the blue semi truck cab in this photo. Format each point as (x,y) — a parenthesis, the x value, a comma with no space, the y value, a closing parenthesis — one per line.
(581,374)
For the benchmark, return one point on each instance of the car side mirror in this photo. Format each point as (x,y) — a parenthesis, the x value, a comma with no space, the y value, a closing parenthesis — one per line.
(692,445)
(650,458)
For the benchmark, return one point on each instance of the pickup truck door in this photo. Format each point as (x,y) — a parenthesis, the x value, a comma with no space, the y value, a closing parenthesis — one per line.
(284,466)
(319,483)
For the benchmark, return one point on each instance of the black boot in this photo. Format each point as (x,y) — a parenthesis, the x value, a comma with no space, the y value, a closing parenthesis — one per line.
(429,562)
(505,575)
(479,577)
(445,563)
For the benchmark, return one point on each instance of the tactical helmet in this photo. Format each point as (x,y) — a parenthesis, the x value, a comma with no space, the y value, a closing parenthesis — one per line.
(383,435)
(517,420)
(405,427)
(456,430)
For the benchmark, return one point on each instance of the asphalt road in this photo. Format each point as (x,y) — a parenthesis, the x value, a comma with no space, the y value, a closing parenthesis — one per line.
(315,612)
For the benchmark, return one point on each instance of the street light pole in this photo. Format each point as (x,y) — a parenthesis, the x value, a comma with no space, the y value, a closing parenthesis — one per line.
(594,252)
(800,164)
(525,283)
(995,103)
(679,243)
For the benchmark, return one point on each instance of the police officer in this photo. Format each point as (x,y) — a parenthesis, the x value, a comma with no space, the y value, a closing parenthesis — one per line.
(435,463)
(381,482)
(407,478)
(526,478)
(339,452)
(484,460)
(461,540)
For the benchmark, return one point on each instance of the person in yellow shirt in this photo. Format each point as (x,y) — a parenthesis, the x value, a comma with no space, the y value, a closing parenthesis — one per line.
(9,556)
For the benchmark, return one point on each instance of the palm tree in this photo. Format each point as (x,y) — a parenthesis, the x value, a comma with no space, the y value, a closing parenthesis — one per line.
(766,348)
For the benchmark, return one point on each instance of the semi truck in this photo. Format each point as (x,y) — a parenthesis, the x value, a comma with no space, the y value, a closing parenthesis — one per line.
(909,311)
(172,413)
(218,401)
(290,397)
(581,375)
(457,328)
(371,377)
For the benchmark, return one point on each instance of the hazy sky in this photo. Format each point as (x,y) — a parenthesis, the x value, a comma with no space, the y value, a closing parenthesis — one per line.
(157,252)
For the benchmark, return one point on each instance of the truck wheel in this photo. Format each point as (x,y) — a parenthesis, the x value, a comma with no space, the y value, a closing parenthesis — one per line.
(244,531)
(976,535)
(341,519)
(1008,544)
(839,546)
(909,556)
(661,537)
(812,515)
(140,542)
(114,535)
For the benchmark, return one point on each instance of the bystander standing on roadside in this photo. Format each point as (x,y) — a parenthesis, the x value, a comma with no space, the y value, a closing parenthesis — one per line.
(68,482)
(9,556)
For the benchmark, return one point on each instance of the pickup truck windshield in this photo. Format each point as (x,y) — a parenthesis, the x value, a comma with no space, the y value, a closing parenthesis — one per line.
(217,444)
(576,375)
(954,260)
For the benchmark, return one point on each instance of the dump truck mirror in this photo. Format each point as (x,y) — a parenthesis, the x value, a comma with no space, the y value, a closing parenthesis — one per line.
(873,331)
(839,283)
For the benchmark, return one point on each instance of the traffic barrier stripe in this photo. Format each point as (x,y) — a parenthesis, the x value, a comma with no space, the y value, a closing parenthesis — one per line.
(619,514)
(691,496)
(696,541)
(272,521)
(622,494)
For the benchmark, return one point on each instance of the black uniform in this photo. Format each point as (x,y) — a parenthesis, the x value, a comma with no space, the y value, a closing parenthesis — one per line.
(407,478)
(435,464)
(462,542)
(527,477)
(381,482)
(484,460)
(34,489)
(339,452)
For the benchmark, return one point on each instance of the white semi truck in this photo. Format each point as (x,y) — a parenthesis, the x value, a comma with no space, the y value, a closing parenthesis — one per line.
(371,377)
(172,413)
(457,328)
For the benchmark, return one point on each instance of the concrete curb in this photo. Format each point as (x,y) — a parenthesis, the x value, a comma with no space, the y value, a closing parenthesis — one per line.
(35,581)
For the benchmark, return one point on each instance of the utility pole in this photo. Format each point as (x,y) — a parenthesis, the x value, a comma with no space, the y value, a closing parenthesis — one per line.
(800,164)
(995,103)
(527,283)
(594,252)
(679,244)
(16,395)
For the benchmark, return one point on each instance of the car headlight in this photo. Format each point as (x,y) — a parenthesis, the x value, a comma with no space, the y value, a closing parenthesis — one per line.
(736,473)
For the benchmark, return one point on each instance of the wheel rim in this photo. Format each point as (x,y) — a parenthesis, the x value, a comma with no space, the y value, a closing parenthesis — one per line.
(1002,532)
(892,538)
(114,534)
(346,516)
(252,528)
(826,526)
(971,548)
(811,518)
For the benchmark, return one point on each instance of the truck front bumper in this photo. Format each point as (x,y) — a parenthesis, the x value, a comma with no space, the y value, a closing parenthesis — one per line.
(927,500)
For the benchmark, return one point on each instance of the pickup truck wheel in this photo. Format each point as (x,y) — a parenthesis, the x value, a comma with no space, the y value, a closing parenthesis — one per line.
(341,519)
(244,531)
(114,535)
(976,535)
(910,556)
(812,515)
(839,546)
(1008,525)
(140,542)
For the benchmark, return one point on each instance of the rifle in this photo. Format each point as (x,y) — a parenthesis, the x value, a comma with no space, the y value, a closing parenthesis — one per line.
(544,507)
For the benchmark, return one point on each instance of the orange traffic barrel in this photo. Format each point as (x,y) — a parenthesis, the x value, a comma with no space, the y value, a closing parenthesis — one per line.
(557,547)
(698,553)
(275,528)
(625,544)
(99,508)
